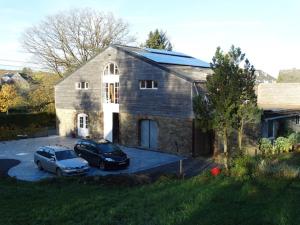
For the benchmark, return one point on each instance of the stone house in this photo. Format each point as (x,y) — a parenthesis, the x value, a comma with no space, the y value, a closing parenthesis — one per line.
(281,105)
(136,97)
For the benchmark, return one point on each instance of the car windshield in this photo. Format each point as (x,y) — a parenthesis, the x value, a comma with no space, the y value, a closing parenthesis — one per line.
(109,148)
(67,154)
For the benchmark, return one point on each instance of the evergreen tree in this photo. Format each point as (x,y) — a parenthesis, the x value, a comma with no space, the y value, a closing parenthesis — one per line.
(158,40)
(231,96)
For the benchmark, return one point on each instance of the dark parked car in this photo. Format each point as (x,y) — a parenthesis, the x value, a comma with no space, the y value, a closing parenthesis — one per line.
(103,154)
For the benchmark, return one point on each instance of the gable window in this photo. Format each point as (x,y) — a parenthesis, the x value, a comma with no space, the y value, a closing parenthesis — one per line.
(111,69)
(148,84)
(82,85)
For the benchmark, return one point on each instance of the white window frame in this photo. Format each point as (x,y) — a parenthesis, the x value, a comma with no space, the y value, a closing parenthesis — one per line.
(116,92)
(145,85)
(78,85)
(107,67)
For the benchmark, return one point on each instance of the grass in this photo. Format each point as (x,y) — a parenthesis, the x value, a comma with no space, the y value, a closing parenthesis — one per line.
(201,200)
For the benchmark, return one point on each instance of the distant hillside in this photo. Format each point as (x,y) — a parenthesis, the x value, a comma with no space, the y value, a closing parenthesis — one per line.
(289,76)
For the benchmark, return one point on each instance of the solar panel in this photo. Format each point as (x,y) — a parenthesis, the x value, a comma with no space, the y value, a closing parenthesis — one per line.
(165,52)
(174,59)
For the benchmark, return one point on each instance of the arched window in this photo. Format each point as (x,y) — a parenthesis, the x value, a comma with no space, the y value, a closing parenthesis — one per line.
(111,69)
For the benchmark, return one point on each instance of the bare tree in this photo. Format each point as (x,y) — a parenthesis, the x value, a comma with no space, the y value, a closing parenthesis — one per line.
(68,39)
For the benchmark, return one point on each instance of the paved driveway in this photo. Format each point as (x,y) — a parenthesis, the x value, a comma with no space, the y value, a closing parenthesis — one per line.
(23,150)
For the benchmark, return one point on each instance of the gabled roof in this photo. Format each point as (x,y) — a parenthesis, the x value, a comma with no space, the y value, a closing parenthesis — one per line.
(179,64)
(182,65)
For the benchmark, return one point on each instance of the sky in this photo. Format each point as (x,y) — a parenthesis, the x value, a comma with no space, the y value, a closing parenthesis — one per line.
(267,31)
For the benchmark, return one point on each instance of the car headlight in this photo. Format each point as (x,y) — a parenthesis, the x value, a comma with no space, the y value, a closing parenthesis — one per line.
(109,160)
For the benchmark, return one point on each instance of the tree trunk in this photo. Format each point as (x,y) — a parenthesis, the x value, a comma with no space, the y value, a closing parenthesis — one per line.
(240,135)
(225,143)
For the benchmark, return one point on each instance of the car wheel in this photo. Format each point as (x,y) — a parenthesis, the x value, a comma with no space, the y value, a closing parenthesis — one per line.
(58,172)
(39,165)
(102,165)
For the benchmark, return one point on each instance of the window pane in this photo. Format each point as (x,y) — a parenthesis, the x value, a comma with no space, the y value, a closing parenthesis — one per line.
(143,84)
(111,93)
(116,93)
(116,70)
(106,70)
(86,85)
(82,85)
(86,122)
(111,68)
(270,128)
(81,122)
(106,92)
(154,84)
(78,85)
(148,83)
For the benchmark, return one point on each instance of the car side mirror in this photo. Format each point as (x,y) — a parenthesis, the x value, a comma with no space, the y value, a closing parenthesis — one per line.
(52,159)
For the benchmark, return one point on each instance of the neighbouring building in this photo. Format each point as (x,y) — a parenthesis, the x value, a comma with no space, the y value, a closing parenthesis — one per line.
(263,77)
(15,78)
(136,97)
(281,105)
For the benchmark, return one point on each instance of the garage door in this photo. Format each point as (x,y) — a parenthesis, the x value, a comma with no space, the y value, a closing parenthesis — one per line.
(149,134)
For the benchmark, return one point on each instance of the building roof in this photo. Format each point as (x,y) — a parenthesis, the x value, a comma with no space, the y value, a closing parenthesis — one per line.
(182,65)
(167,57)
(279,96)
(187,70)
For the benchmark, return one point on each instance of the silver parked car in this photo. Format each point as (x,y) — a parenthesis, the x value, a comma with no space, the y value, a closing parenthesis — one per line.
(60,160)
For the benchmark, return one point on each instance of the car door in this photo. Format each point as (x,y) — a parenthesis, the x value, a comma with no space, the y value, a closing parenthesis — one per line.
(93,154)
(50,163)
(83,151)
(43,159)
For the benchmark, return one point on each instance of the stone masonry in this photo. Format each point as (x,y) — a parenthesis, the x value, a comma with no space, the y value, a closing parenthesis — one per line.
(174,135)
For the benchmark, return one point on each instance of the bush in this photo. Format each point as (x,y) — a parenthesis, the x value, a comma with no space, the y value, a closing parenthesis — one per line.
(244,167)
(282,144)
(12,125)
(265,146)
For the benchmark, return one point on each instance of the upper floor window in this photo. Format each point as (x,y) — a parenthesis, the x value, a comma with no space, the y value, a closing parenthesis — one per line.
(82,85)
(111,93)
(148,84)
(111,69)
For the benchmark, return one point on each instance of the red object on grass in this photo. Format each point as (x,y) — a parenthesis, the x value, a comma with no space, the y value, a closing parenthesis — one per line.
(215,171)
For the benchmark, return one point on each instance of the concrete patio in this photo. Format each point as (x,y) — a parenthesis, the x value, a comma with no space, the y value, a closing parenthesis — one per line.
(23,150)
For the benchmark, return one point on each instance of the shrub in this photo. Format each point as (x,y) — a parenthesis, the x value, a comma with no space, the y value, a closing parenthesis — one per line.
(293,138)
(243,167)
(265,146)
(12,125)
(282,144)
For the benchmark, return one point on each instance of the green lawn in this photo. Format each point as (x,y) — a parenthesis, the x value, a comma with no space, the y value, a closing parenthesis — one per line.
(201,200)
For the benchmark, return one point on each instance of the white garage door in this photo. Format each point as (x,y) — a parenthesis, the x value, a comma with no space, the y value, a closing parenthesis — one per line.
(149,134)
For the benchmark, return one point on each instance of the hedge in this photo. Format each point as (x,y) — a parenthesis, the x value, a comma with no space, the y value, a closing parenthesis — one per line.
(28,119)
(30,125)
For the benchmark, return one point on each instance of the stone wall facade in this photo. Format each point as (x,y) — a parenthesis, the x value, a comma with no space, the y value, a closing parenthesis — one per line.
(174,134)
(66,120)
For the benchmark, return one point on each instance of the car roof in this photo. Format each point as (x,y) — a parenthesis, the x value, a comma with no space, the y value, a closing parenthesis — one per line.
(54,148)
(100,141)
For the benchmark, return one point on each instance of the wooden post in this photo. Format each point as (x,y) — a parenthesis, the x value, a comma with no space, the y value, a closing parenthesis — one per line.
(180,168)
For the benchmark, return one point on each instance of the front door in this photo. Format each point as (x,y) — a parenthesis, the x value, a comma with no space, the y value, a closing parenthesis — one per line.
(115,127)
(82,125)
(149,134)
